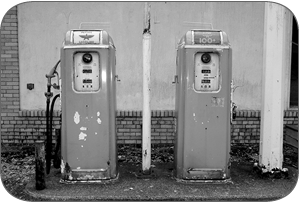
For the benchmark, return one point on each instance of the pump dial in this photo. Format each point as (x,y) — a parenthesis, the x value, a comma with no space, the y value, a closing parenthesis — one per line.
(205,58)
(87,58)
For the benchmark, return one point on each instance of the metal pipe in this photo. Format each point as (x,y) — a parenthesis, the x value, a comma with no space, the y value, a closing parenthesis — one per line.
(48,95)
(146,141)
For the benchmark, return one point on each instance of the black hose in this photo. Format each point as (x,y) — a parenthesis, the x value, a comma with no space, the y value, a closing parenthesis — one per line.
(48,151)
(49,137)
(51,110)
(48,95)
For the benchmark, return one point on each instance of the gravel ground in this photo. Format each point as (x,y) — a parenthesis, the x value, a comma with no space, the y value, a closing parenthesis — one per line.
(18,170)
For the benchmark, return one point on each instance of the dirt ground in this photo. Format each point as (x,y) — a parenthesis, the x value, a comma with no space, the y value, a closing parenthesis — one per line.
(18,171)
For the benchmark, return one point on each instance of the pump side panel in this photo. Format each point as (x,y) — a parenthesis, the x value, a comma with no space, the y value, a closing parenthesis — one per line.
(111,99)
(85,117)
(179,109)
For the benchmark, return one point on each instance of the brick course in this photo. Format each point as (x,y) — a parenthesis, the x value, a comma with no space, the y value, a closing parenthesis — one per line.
(28,126)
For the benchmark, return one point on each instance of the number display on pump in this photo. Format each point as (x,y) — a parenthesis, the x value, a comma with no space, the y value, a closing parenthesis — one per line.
(206,40)
(206,37)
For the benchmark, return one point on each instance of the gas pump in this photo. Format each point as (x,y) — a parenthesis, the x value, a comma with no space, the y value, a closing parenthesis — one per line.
(202,104)
(86,147)
(88,99)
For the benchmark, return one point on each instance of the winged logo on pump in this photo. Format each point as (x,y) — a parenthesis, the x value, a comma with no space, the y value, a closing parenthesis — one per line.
(86,36)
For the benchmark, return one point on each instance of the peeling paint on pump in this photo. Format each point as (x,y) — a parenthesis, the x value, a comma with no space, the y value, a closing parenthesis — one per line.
(76,118)
(82,136)
(98,119)
(83,128)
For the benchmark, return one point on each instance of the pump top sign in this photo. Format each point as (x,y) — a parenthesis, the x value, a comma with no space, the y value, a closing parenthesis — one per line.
(93,37)
(206,37)
(86,37)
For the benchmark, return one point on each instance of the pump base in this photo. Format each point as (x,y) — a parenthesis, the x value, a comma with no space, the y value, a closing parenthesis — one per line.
(225,181)
(92,181)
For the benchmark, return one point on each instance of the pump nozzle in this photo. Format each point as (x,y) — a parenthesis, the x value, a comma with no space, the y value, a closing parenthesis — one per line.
(52,71)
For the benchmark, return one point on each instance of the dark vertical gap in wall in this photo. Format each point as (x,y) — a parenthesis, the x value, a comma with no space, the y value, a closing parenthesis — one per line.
(294,94)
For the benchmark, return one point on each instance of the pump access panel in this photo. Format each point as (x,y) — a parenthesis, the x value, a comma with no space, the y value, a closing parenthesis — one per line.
(207,72)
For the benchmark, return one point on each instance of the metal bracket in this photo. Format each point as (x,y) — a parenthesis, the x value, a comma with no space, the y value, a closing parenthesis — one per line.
(48,95)
(175,79)
(55,86)
(117,78)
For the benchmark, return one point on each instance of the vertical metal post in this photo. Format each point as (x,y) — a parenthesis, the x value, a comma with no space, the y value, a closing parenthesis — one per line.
(146,141)
(40,165)
(275,61)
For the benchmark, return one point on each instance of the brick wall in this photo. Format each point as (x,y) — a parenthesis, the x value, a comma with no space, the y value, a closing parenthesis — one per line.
(246,126)
(27,127)
(129,127)
(10,96)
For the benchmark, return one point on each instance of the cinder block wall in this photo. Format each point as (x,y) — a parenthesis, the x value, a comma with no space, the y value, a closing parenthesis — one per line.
(27,126)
